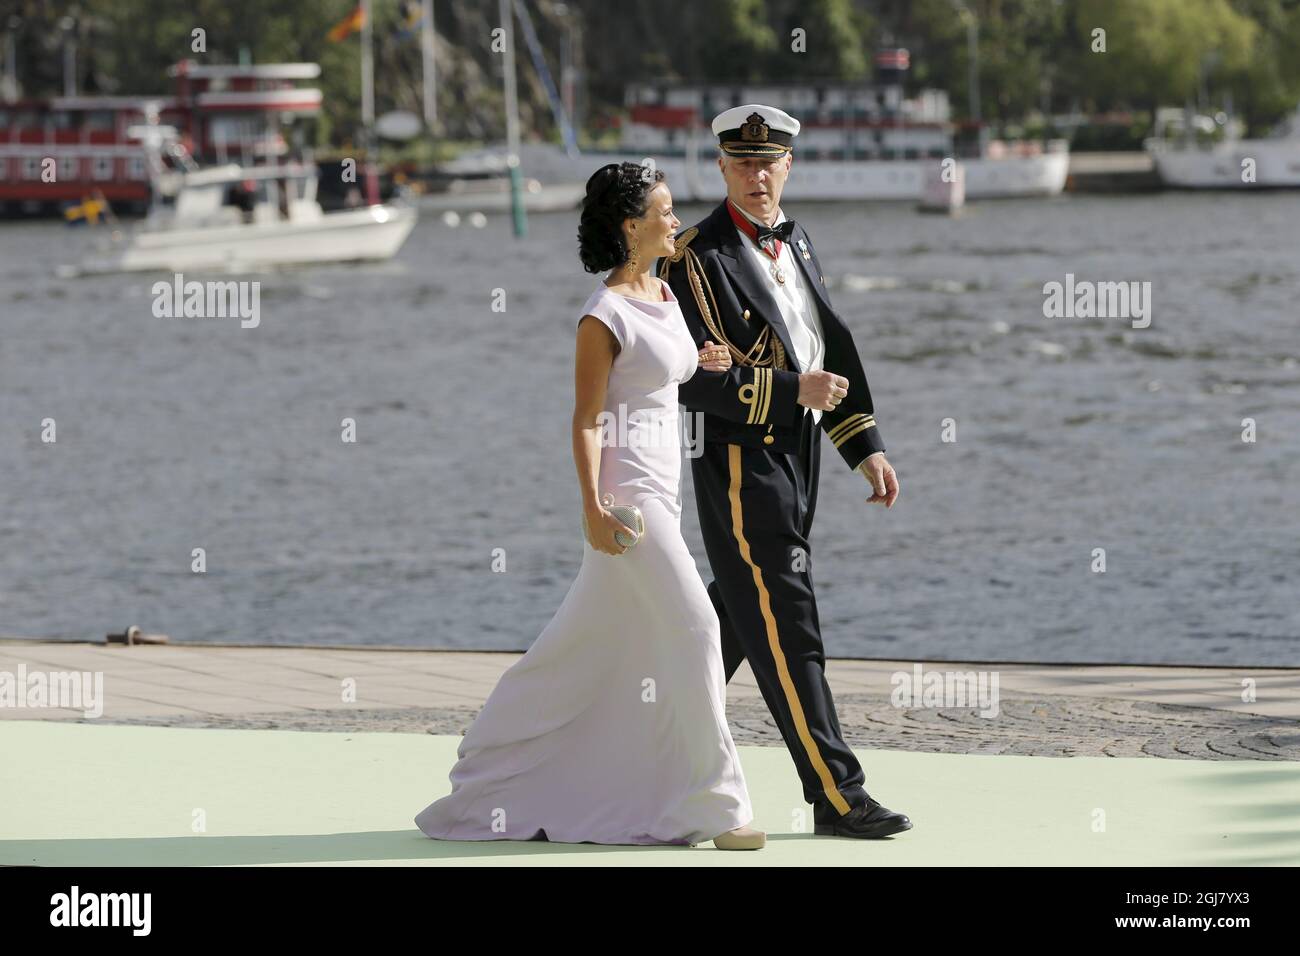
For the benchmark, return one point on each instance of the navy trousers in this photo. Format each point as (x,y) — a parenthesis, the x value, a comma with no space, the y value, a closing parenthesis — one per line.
(756,511)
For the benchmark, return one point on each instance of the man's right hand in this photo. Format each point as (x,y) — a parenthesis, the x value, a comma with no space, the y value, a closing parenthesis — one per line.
(822,390)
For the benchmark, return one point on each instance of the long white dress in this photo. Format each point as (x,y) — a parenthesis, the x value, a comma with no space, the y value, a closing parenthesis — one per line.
(612,727)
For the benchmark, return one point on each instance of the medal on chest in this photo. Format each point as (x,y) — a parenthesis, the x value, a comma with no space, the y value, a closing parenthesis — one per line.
(774,256)
(768,243)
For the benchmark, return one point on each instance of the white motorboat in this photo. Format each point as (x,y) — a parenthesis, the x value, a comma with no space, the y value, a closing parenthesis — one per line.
(1184,162)
(243,218)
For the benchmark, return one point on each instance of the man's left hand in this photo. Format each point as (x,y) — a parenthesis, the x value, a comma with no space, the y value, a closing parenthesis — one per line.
(884,483)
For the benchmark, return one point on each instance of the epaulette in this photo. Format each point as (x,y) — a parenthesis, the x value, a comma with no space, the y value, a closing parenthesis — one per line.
(682,241)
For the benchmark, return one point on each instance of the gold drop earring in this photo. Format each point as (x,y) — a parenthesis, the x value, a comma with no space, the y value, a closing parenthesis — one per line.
(632,260)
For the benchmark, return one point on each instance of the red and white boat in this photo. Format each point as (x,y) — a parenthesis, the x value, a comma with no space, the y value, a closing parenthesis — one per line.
(210,163)
(222,114)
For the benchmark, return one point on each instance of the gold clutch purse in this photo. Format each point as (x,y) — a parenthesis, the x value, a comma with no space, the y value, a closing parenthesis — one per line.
(630,515)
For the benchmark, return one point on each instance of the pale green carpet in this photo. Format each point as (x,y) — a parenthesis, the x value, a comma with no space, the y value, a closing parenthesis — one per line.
(100,794)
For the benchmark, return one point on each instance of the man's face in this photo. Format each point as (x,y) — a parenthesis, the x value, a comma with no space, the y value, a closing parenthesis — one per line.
(754,183)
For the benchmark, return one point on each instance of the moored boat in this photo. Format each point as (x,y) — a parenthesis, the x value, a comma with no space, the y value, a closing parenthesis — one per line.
(239,218)
(1185,160)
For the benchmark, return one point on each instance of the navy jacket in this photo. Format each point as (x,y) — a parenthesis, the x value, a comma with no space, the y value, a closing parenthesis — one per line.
(756,406)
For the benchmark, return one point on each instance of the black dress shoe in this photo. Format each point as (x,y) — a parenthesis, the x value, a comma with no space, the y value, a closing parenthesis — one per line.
(867,821)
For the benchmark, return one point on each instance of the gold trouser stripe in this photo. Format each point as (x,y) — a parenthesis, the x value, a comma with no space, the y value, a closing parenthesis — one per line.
(860,427)
(782,669)
(846,424)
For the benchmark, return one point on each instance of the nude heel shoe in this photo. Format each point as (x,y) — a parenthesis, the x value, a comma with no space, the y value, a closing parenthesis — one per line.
(741,838)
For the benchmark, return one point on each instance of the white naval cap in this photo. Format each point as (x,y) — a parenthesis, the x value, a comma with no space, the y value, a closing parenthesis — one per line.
(755,130)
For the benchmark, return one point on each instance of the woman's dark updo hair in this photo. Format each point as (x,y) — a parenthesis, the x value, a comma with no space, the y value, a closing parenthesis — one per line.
(615,192)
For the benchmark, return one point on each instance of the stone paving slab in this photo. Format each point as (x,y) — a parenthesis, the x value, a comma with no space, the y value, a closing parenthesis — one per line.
(1044,710)
(1033,727)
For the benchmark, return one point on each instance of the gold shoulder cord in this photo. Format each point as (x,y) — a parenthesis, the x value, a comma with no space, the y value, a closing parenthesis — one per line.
(760,355)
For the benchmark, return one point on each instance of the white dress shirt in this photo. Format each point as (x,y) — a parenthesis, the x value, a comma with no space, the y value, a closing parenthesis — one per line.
(796,303)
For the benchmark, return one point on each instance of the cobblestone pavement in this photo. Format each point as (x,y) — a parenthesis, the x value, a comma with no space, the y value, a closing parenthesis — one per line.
(1056,726)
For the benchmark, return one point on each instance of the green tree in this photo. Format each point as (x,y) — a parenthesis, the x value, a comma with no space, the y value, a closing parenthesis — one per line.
(1161,52)
(839,41)
(1268,87)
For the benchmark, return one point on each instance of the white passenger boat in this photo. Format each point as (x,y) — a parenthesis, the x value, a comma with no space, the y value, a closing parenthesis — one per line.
(856,143)
(1005,175)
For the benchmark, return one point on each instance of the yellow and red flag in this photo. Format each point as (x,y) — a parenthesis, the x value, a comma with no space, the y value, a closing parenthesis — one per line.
(348,25)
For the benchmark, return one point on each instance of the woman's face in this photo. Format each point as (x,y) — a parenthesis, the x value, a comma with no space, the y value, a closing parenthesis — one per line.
(653,233)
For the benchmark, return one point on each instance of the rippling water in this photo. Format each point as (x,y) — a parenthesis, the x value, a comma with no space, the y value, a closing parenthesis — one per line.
(1072,435)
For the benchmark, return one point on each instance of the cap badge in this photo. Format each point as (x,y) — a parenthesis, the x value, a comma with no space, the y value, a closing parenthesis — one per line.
(754,130)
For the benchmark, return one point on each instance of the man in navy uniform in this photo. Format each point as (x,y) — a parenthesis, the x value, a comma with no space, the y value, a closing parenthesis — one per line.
(748,280)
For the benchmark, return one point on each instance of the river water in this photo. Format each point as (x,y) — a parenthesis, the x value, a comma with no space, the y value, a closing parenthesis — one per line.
(1072,434)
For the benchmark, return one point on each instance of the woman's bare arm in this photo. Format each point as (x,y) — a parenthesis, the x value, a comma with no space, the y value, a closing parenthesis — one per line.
(596,349)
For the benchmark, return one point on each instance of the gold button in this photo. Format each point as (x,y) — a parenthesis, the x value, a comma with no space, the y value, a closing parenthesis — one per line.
(768,439)
(746,313)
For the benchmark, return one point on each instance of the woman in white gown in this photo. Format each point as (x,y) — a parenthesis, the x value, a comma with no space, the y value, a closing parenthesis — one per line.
(612,727)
